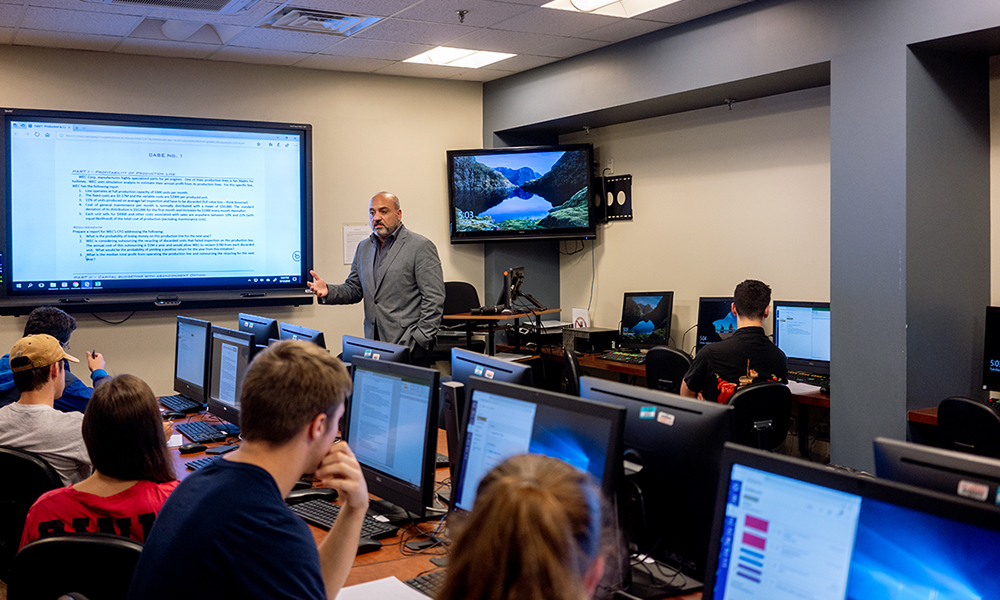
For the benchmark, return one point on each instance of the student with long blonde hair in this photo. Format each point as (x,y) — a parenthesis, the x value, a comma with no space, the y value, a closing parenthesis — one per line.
(535,532)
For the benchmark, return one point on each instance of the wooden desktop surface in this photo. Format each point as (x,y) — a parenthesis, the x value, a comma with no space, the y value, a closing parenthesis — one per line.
(518,315)
(389,561)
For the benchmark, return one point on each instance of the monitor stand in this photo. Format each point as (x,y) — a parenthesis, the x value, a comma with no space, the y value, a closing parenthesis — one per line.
(649,583)
(401,516)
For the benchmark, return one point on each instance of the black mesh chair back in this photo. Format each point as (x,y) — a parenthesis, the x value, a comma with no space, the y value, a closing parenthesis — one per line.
(571,373)
(459,297)
(96,565)
(665,368)
(25,476)
(762,413)
(968,426)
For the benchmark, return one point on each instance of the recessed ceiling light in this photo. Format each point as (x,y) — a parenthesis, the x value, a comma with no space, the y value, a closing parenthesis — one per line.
(458,57)
(317,21)
(615,8)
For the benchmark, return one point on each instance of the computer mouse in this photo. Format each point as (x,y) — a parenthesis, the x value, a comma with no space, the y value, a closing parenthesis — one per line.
(296,496)
(191,448)
(366,545)
(173,414)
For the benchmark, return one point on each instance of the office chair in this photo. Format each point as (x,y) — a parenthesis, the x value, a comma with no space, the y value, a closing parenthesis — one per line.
(762,413)
(968,426)
(665,368)
(97,565)
(459,297)
(571,373)
(26,476)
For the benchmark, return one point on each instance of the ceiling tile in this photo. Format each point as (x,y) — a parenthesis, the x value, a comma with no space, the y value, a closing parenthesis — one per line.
(535,3)
(623,29)
(521,62)
(548,20)
(482,13)
(6,35)
(276,39)
(96,7)
(374,8)
(165,48)
(480,75)
(253,16)
(393,51)
(414,32)
(419,70)
(10,15)
(59,39)
(343,63)
(54,19)
(151,29)
(505,41)
(567,47)
(258,56)
(687,10)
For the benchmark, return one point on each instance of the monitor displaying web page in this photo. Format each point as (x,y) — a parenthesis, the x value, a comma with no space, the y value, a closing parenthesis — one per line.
(802,332)
(504,420)
(789,530)
(191,357)
(231,354)
(391,426)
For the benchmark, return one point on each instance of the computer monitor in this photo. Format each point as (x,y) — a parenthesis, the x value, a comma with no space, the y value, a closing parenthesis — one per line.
(716,321)
(678,444)
(646,319)
(991,350)
(802,332)
(230,358)
(786,528)
(504,420)
(948,471)
(466,364)
(191,352)
(262,328)
(287,331)
(360,347)
(391,426)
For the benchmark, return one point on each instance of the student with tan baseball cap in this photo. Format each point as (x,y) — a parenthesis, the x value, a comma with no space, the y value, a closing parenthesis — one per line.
(32,423)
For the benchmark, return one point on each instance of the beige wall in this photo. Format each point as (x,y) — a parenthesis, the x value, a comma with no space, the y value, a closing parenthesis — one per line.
(371,133)
(718,196)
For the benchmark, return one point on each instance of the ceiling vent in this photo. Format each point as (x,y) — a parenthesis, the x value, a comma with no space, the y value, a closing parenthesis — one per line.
(225,7)
(318,21)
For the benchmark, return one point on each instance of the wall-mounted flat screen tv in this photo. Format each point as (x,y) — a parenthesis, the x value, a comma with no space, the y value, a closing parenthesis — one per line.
(125,212)
(522,193)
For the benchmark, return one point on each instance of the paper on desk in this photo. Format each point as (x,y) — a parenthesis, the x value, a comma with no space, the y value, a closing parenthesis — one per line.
(798,387)
(175,440)
(389,588)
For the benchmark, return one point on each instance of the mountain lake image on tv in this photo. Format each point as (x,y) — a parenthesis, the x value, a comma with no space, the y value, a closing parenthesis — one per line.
(518,193)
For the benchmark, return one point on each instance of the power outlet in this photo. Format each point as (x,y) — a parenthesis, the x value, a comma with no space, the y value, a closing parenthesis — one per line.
(609,168)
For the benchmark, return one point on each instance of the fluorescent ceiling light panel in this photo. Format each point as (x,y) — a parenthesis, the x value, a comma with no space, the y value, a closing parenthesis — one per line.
(614,8)
(458,57)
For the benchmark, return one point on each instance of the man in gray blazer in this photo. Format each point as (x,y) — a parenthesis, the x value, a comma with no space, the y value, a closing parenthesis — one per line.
(398,275)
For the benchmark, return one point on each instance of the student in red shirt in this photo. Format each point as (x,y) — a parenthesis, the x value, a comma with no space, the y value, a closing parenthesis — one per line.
(133,473)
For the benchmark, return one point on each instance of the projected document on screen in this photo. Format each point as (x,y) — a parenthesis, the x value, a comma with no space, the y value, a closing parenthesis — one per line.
(125,203)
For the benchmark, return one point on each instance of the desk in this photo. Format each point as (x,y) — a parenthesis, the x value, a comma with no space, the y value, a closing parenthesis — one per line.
(491,323)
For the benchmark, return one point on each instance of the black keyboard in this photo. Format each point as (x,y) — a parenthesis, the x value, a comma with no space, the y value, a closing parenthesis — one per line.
(428,583)
(322,514)
(632,358)
(181,404)
(441,461)
(201,432)
(194,465)
(810,378)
